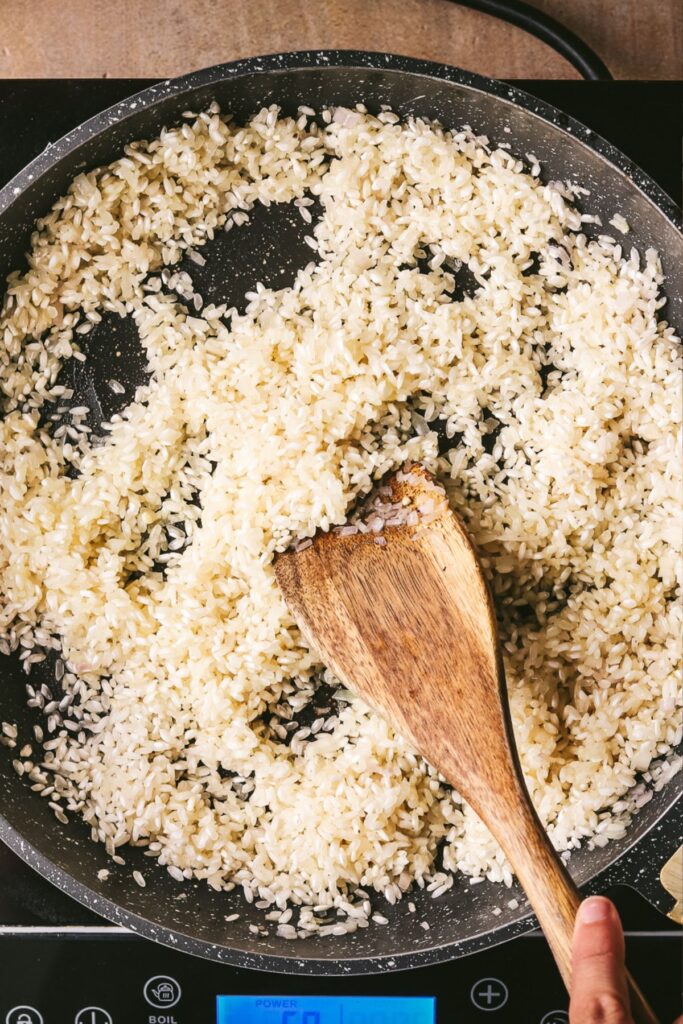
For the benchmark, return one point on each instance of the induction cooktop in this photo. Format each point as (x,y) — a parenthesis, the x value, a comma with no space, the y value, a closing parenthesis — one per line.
(61,964)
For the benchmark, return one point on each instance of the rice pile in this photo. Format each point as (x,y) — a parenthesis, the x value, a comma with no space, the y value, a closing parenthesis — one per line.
(142,555)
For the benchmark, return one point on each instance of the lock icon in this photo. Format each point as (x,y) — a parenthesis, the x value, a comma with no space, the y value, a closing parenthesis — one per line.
(24,1015)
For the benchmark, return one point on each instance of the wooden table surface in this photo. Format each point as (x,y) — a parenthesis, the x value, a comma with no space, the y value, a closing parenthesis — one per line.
(638,39)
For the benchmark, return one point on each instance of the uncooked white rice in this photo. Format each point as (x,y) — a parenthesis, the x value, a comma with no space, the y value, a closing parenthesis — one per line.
(619,222)
(560,388)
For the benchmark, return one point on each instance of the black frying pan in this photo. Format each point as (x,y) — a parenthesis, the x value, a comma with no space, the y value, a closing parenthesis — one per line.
(460,921)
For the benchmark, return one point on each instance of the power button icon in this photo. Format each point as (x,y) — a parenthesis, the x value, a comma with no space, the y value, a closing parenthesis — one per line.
(93,1015)
(24,1015)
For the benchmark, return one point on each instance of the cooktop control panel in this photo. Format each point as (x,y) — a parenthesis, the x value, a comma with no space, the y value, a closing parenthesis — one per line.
(93,977)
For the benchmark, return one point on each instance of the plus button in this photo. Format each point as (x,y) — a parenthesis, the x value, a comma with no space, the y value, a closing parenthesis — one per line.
(489,994)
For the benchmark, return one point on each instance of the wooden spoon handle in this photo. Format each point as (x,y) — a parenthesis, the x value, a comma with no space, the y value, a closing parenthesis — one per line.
(551,892)
(641,1011)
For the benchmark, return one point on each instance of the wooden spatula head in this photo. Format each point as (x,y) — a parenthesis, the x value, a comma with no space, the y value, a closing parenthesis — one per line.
(404,618)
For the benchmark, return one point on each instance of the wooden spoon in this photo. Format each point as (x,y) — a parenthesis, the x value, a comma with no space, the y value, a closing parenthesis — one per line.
(405,619)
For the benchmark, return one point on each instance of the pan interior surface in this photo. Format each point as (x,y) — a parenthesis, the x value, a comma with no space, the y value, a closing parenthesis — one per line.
(192,916)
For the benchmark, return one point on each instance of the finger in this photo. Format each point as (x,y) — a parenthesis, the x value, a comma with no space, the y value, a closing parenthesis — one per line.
(599,994)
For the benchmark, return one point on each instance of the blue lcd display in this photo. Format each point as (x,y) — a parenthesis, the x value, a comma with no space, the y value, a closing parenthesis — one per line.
(325,1009)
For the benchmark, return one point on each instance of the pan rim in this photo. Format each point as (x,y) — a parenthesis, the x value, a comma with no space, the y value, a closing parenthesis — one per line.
(288,61)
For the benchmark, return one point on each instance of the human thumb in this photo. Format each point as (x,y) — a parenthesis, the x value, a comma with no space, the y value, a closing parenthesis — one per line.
(599,993)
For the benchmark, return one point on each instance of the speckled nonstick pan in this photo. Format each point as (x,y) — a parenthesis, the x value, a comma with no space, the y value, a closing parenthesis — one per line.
(460,921)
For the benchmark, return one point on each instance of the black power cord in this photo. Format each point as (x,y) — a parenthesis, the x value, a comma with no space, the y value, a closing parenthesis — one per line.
(541,25)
